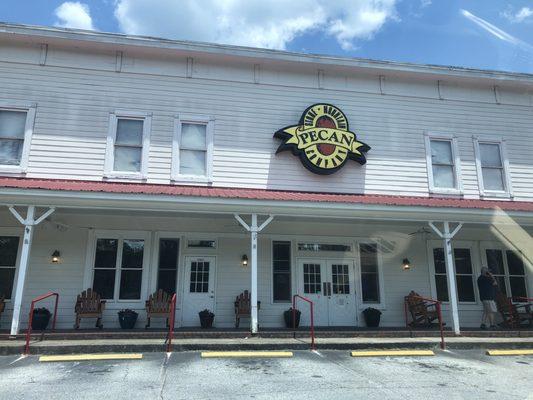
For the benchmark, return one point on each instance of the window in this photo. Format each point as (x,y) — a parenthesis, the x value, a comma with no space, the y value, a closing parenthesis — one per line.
(492,168)
(193,149)
(16,127)
(340,278)
(312,278)
(281,271)
(9,246)
(464,274)
(509,270)
(199,282)
(370,285)
(443,164)
(323,247)
(118,268)
(201,244)
(128,145)
(168,265)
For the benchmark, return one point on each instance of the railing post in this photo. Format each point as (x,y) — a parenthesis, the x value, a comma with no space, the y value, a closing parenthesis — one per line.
(171,322)
(439,313)
(30,319)
(312,328)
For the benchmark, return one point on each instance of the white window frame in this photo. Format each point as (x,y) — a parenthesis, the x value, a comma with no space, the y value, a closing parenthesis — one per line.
(508,191)
(109,171)
(359,277)
(429,136)
(291,272)
(88,276)
(30,109)
(474,258)
(489,245)
(176,141)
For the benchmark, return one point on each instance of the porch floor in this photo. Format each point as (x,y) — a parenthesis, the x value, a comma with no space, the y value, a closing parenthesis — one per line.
(234,333)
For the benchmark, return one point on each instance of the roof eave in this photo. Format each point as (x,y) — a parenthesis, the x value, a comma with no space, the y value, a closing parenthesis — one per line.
(375,66)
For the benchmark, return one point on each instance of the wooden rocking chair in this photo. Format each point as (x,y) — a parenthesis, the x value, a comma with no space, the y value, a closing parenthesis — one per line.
(514,315)
(158,305)
(243,307)
(423,311)
(89,305)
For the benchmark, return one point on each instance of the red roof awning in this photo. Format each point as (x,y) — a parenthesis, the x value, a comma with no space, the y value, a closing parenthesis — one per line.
(257,194)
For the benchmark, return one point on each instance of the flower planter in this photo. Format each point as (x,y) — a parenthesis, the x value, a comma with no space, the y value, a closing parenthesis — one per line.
(40,320)
(127,319)
(287,316)
(206,319)
(372,317)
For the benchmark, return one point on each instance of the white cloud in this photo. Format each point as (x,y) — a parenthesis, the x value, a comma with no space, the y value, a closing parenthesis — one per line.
(259,23)
(497,32)
(525,13)
(73,14)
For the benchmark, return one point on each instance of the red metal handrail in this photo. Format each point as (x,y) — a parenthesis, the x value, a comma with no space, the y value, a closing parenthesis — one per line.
(168,341)
(438,306)
(522,299)
(313,347)
(35,300)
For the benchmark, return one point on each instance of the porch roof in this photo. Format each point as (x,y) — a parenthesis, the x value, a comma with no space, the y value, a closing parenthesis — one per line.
(259,194)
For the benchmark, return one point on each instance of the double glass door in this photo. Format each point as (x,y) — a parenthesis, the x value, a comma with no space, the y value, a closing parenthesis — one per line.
(330,284)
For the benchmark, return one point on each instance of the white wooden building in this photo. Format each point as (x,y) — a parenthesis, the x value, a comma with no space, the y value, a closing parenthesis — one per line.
(149,159)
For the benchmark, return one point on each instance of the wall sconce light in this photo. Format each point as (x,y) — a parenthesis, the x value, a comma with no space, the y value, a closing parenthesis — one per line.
(56,256)
(406,264)
(244,260)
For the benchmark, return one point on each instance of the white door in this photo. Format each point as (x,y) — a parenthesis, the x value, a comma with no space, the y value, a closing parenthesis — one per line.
(199,290)
(313,286)
(330,285)
(341,295)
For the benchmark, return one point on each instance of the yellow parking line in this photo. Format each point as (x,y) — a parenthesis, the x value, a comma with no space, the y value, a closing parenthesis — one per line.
(394,353)
(523,352)
(91,357)
(248,354)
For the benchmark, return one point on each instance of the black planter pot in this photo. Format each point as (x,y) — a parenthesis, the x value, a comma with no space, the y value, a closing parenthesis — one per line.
(206,321)
(40,321)
(372,317)
(127,320)
(287,316)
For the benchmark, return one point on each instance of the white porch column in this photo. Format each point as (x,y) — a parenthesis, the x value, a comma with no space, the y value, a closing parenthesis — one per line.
(29,224)
(447,237)
(254,229)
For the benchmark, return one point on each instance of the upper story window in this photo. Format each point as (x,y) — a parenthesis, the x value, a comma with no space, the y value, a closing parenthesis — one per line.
(443,164)
(128,145)
(192,148)
(492,168)
(16,128)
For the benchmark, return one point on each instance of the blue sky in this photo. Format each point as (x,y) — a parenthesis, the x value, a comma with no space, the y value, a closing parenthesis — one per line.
(488,34)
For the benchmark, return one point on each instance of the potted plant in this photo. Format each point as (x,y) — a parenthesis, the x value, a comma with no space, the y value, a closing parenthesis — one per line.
(372,317)
(127,318)
(288,315)
(206,318)
(41,317)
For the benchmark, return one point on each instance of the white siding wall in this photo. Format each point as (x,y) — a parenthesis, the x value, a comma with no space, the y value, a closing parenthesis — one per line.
(76,90)
(232,279)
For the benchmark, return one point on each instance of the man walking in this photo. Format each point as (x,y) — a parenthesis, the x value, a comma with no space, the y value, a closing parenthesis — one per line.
(487,286)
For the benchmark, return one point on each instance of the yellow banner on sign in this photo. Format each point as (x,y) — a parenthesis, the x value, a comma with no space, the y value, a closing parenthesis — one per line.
(306,137)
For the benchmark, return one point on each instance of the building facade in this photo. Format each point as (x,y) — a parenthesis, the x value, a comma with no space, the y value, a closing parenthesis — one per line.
(146,163)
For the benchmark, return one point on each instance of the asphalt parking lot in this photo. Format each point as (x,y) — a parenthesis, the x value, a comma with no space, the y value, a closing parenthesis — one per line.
(325,375)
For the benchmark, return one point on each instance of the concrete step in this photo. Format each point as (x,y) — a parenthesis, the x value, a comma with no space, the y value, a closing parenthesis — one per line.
(96,334)
(255,343)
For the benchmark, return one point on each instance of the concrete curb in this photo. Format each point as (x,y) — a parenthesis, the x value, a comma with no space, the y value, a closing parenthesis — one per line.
(49,348)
